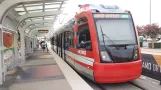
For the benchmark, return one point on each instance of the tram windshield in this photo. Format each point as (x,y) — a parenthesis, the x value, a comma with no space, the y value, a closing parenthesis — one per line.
(117,28)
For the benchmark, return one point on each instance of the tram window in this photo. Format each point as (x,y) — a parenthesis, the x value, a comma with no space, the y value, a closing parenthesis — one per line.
(69,38)
(81,20)
(84,37)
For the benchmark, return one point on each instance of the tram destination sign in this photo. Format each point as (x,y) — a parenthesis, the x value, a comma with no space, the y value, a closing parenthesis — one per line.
(102,15)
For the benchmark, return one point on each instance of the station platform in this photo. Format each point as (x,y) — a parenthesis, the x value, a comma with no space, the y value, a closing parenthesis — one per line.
(47,71)
(41,72)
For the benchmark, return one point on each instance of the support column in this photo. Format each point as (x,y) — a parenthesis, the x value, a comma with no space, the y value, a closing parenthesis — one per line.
(35,43)
(34,46)
(16,46)
(31,45)
(1,58)
(22,35)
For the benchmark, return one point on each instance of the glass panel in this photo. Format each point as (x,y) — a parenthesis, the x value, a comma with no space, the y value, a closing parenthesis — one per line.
(34,8)
(19,9)
(31,26)
(47,23)
(37,24)
(33,4)
(64,5)
(27,20)
(27,30)
(35,11)
(19,6)
(36,19)
(51,9)
(49,18)
(53,3)
(62,8)
(122,34)
(56,17)
(22,13)
(52,6)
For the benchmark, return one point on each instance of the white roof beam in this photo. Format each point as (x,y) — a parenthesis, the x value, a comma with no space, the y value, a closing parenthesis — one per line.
(6,5)
(39,14)
(24,8)
(43,8)
(61,5)
(37,22)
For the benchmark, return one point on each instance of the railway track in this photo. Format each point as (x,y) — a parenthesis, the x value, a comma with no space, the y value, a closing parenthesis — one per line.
(133,85)
(138,84)
(118,86)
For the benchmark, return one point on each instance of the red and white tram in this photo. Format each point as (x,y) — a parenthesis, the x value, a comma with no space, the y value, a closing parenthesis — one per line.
(101,43)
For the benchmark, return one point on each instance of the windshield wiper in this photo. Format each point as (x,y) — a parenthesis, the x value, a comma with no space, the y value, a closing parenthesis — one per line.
(108,38)
(107,50)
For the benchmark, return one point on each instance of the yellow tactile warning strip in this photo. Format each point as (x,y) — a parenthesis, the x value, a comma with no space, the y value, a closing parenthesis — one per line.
(158,59)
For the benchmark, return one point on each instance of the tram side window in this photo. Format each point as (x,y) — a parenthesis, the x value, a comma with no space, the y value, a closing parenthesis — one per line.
(69,39)
(84,37)
(66,41)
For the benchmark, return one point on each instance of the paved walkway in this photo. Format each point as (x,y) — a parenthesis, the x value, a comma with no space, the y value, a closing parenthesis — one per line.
(151,51)
(40,72)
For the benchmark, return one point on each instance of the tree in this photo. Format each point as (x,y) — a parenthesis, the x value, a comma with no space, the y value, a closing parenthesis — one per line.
(152,30)
(140,30)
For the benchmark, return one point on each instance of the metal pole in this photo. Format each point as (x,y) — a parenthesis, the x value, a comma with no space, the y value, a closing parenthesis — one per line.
(150,11)
(1,57)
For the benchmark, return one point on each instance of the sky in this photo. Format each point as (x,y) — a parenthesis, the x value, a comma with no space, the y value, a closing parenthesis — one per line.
(140,9)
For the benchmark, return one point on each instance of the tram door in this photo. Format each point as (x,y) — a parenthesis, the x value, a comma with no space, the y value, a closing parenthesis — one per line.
(57,44)
(63,44)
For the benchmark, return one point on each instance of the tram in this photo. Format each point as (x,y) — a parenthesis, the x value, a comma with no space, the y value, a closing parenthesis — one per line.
(101,43)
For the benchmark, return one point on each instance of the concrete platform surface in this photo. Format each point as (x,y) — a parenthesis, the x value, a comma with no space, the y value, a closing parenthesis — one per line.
(75,81)
(151,51)
(40,72)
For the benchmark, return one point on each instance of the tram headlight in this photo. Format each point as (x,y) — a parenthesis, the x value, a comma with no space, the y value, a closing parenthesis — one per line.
(136,55)
(105,57)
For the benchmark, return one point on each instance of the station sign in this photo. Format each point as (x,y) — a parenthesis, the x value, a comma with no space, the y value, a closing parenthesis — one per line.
(43,31)
(151,66)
